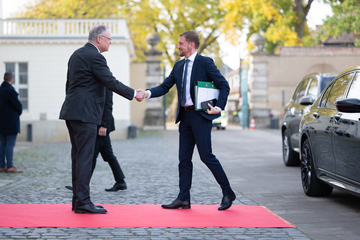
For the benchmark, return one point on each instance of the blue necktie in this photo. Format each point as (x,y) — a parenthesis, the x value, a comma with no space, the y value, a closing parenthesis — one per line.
(183,93)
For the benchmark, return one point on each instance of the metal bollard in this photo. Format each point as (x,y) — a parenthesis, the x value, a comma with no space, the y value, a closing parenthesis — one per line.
(29,133)
(132,130)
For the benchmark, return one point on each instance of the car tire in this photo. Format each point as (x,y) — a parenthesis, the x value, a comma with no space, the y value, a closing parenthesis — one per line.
(290,157)
(312,185)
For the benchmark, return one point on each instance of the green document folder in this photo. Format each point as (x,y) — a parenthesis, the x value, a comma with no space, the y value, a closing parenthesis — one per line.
(204,91)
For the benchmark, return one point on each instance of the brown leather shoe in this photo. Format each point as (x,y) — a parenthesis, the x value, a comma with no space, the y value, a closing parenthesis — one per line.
(13,170)
(2,169)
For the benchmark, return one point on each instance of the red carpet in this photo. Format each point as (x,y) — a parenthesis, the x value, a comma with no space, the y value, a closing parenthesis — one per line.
(132,216)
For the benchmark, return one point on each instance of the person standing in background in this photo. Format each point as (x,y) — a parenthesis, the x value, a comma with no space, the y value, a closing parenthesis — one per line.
(103,145)
(10,111)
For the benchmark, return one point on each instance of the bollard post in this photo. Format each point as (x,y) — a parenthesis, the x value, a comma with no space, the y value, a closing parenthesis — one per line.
(29,133)
(132,130)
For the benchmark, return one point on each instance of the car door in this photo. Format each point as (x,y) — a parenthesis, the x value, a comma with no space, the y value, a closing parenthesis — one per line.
(322,137)
(346,138)
(296,112)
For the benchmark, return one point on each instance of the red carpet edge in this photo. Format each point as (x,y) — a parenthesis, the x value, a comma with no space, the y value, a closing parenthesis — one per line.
(135,216)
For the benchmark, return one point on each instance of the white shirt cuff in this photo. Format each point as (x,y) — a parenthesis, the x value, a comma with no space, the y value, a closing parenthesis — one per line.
(149,94)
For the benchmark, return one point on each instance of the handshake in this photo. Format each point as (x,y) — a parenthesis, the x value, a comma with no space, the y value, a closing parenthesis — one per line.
(140,95)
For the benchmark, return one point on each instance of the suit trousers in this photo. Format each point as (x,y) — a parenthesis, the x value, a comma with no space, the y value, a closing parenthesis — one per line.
(195,129)
(103,146)
(82,137)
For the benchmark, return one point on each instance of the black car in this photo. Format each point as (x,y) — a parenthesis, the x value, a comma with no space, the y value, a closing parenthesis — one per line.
(304,95)
(330,138)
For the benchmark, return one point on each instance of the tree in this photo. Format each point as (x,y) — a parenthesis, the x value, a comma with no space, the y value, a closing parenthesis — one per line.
(345,18)
(70,9)
(283,21)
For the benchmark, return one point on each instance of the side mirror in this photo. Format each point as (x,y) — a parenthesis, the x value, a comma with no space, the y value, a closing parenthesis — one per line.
(349,105)
(306,100)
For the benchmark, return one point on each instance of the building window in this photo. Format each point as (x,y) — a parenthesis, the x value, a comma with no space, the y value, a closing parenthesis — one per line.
(20,72)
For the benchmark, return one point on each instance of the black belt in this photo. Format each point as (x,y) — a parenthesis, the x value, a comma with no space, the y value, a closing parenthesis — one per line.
(188,108)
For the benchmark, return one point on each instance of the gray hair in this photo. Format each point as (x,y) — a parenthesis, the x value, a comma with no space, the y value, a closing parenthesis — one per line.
(96,31)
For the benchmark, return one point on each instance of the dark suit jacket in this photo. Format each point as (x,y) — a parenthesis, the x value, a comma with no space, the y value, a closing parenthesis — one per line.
(10,110)
(107,120)
(203,69)
(88,76)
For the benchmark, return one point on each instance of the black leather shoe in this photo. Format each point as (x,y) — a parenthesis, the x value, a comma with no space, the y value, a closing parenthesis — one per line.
(90,208)
(69,187)
(177,203)
(117,186)
(98,206)
(227,201)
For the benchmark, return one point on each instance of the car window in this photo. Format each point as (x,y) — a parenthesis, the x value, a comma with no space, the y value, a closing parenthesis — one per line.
(313,88)
(325,81)
(325,96)
(338,89)
(300,90)
(354,91)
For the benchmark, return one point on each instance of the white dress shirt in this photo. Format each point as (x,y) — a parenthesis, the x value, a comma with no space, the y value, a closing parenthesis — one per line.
(189,102)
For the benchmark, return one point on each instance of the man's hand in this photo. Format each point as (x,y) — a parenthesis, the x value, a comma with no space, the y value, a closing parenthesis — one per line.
(102,131)
(140,95)
(212,110)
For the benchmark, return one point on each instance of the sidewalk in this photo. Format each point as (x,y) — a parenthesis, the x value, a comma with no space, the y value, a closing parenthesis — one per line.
(150,166)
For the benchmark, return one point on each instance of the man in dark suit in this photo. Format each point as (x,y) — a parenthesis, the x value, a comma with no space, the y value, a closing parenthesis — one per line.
(195,126)
(103,145)
(10,111)
(87,78)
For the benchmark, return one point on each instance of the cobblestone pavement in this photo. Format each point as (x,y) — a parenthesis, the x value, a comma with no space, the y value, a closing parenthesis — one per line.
(150,166)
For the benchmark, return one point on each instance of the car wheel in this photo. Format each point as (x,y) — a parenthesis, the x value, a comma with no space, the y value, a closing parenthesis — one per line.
(312,186)
(290,157)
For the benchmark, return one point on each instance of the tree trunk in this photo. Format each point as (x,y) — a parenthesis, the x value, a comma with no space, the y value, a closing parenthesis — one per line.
(301,13)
